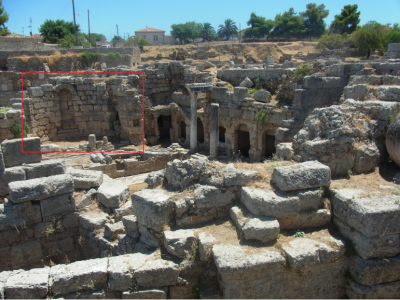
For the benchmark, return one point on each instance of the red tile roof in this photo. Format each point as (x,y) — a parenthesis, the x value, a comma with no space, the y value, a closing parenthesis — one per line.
(150,30)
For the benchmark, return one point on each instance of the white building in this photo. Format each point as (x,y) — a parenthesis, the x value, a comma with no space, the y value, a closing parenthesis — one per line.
(156,36)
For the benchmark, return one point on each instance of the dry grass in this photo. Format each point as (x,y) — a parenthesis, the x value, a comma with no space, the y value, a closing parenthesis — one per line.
(23,58)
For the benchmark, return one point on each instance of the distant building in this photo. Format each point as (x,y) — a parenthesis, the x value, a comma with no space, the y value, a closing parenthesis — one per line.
(38,38)
(156,36)
(104,44)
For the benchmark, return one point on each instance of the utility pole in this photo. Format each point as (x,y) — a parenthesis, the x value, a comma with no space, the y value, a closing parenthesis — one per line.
(88,18)
(117,30)
(76,34)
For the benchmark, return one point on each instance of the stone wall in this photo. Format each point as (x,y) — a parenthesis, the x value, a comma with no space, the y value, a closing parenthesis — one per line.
(76,105)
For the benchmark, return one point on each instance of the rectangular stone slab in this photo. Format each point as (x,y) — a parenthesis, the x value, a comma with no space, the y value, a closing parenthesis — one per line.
(45,169)
(81,275)
(306,175)
(28,284)
(12,153)
(40,188)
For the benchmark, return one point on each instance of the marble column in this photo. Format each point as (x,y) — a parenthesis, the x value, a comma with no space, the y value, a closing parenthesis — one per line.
(214,130)
(193,121)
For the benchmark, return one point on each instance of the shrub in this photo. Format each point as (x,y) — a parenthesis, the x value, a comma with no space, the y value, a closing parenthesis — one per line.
(90,57)
(114,55)
(302,71)
(330,41)
(16,130)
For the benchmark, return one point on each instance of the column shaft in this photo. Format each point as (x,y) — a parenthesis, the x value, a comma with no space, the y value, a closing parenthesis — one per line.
(193,122)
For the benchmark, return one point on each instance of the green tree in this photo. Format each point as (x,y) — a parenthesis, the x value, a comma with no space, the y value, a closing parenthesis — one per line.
(186,32)
(227,30)
(141,41)
(347,21)
(393,34)
(370,36)
(52,31)
(95,37)
(208,32)
(116,39)
(3,20)
(314,19)
(259,27)
(289,24)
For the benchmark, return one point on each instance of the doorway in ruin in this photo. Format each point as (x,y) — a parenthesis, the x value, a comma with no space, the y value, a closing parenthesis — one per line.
(221,134)
(67,110)
(200,131)
(182,129)
(164,126)
(269,145)
(243,140)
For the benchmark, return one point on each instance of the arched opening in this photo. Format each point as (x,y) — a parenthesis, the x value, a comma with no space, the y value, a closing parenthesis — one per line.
(67,110)
(200,131)
(164,125)
(243,140)
(269,145)
(221,134)
(182,126)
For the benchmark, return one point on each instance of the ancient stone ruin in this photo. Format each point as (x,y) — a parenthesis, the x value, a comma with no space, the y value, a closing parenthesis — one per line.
(241,182)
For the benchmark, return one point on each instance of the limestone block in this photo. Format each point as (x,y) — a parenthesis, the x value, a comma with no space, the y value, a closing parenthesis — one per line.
(155,208)
(317,218)
(92,141)
(356,92)
(45,169)
(246,83)
(284,151)
(49,148)
(148,238)
(85,179)
(3,279)
(146,294)
(100,294)
(121,268)
(310,199)
(181,243)
(13,155)
(211,196)
(40,188)
(264,229)
(370,247)
(47,88)
(366,159)
(269,204)
(10,175)
(111,231)
(112,192)
(206,243)
(125,210)
(18,215)
(34,92)
(305,175)
(25,254)
(93,220)
(86,199)
(262,96)
(60,204)
(130,223)
(372,216)
(155,273)
(154,179)
(302,252)
(374,271)
(28,284)
(70,220)
(81,275)
(239,177)
(389,290)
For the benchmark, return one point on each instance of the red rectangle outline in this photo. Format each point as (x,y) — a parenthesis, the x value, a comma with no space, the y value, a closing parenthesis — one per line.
(22,112)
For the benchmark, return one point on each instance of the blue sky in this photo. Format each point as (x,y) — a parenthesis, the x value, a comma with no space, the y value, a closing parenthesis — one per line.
(131,15)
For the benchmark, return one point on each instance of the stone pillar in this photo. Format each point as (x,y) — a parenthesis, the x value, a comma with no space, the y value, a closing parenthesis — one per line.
(214,130)
(193,121)
(92,141)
